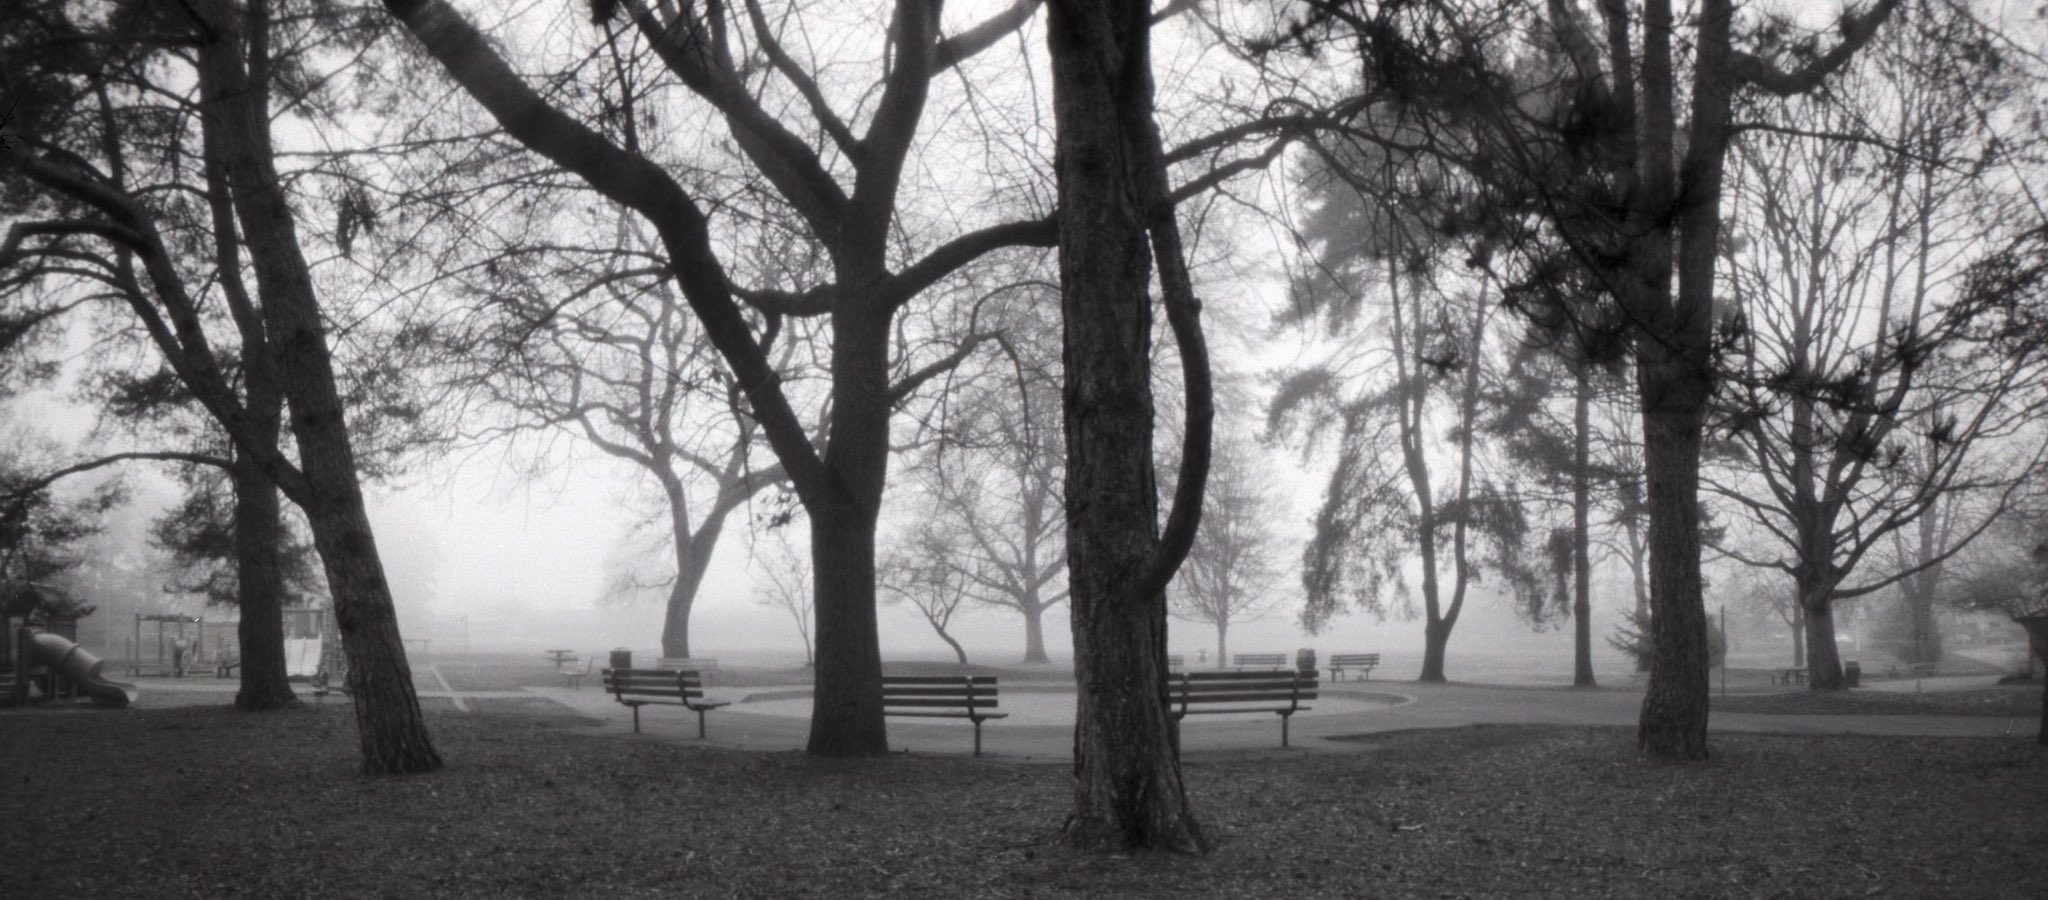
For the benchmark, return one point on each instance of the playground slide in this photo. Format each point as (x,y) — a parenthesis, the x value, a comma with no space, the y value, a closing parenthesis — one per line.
(83,668)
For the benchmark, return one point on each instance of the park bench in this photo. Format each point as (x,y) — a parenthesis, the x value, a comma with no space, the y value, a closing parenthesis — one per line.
(1176,661)
(1363,662)
(967,697)
(573,675)
(1791,676)
(1200,693)
(669,687)
(1243,661)
(704,666)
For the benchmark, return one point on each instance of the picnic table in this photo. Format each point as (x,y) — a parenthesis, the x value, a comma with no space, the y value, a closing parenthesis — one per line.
(558,657)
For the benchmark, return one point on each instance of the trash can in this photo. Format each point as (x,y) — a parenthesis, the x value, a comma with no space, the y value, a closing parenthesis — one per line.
(1852,674)
(622,658)
(1305,660)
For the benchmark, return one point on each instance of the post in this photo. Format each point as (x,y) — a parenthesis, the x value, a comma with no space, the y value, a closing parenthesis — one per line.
(1724,650)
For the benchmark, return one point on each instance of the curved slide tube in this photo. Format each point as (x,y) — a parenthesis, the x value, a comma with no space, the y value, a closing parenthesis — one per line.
(73,662)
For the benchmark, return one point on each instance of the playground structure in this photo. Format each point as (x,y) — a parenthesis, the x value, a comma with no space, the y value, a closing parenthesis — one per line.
(175,646)
(40,657)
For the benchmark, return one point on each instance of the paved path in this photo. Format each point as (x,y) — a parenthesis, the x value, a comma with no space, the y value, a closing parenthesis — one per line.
(1379,707)
(1349,709)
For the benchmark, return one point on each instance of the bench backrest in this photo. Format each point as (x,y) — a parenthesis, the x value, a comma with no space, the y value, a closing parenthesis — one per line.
(1176,661)
(961,692)
(1255,690)
(682,685)
(1259,659)
(1355,659)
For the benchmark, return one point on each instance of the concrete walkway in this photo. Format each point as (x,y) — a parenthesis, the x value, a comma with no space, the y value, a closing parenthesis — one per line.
(777,719)
(1348,709)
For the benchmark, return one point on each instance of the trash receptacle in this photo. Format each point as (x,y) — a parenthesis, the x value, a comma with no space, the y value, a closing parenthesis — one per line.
(1305,660)
(622,658)
(1852,674)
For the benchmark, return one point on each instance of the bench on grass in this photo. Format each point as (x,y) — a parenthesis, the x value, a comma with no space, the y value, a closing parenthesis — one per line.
(1363,662)
(669,687)
(969,697)
(1243,661)
(1176,661)
(1790,676)
(1199,693)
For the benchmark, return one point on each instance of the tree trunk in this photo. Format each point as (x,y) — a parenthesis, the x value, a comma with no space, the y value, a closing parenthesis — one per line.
(959,652)
(1222,641)
(1582,532)
(392,734)
(1435,639)
(692,557)
(1674,717)
(1127,777)
(1823,658)
(1798,634)
(2037,646)
(846,716)
(1034,634)
(259,590)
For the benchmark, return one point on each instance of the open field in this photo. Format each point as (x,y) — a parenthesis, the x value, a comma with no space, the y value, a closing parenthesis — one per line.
(207,802)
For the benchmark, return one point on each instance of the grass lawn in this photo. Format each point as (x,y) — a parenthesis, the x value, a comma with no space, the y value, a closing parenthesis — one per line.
(2020,701)
(207,802)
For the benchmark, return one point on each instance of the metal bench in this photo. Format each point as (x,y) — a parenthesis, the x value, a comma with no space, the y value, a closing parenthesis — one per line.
(640,687)
(1364,662)
(1243,661)
(1200,693)
(967,697)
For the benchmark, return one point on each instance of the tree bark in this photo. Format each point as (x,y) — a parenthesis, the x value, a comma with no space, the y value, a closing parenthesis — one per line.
(390,729)
(1674,716)
(1127,777)
(259,588)
(1823,658)
(1034,634)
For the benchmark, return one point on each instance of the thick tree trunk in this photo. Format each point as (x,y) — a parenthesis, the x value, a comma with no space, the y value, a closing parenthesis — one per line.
(1222,641)
(1823,658)
(1034,634)
(2037,646)
(392,734)
(846,717)
(1436,639)
(1127,778)
(259,591)
(1582,531)
(1674,717)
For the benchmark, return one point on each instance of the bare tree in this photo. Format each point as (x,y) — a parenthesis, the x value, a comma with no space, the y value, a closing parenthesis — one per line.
(1865,409)
(1233,571)
(929,573)
(785,583)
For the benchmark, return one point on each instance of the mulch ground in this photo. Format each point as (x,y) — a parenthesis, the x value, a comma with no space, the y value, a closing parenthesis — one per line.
(207,802)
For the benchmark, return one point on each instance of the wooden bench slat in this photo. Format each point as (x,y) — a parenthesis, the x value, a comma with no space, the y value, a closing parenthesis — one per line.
(939,702)
(888,680)
(970,697)
(1215,693)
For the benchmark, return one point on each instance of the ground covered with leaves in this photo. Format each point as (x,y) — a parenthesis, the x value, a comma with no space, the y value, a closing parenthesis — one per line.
(208,802)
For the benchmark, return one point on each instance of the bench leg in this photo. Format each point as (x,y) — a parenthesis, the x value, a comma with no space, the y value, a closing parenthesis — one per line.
(636,720)
(1284,717)
(700,724)
(977,737)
